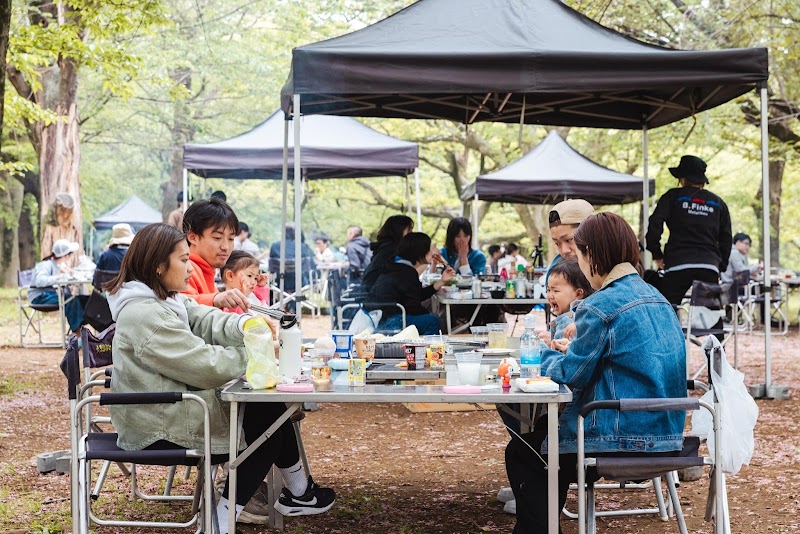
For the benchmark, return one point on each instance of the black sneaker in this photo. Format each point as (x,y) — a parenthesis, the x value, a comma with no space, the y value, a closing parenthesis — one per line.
(315,500)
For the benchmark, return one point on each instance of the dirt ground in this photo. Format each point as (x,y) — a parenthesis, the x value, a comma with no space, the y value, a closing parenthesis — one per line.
(394,471)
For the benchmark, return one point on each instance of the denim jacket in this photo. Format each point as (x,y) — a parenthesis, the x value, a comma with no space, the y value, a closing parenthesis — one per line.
(629,344)
(560,322)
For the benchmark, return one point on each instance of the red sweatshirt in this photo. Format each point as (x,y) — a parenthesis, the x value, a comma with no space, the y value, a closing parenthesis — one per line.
(201,284)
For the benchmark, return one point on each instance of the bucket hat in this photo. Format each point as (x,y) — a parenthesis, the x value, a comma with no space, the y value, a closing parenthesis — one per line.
(691,168)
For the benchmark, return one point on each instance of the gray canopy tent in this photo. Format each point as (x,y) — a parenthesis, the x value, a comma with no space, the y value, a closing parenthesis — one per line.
(526,61)
(332,147)
(551,172)
(133,211)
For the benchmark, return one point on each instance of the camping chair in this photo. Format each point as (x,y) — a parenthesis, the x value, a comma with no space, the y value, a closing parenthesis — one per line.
(345,304)
(716,298)
(97,313)
(30,315)
(87,445)
(743,305)
(286,296)
(623,468)
(775,302)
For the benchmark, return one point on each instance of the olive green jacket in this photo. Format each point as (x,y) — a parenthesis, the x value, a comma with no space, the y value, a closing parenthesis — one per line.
(155,351)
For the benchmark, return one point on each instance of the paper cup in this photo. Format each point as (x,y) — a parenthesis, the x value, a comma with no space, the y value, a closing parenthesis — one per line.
(365,347)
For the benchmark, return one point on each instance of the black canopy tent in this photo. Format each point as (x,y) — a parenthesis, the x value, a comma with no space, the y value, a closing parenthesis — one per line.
(551,172)
(526,61)
(332,147)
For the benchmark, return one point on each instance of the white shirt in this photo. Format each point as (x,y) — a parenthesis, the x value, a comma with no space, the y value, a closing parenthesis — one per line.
(247,246)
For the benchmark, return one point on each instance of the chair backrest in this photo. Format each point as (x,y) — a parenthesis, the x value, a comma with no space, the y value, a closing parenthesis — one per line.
(70,366)
(97,348)
(713,296)
(307,264)
(24,278)
(102,277)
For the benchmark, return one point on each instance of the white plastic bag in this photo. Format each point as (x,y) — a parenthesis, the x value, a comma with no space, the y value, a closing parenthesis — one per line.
(738,413)
(262,369)
(365,321)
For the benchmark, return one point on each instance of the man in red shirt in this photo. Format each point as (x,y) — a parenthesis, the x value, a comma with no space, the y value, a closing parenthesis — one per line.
(211,226)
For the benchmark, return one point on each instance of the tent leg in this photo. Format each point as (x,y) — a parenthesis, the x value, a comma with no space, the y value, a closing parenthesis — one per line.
(766,229)
(185,190)
(419,207)
(645,194)
(285,183)
(298,229)
(475,222)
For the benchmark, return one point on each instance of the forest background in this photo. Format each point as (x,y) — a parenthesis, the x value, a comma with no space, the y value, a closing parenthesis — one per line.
(99,97)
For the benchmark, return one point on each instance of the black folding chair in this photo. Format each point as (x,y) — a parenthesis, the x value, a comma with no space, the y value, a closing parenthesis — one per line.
(716,298)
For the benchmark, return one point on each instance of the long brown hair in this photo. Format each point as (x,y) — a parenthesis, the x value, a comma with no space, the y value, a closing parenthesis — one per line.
(149,252)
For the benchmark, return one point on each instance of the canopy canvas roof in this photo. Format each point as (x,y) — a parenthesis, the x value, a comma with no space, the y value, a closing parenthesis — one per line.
(553,171)
(133,211)
(333,147)
(538,61)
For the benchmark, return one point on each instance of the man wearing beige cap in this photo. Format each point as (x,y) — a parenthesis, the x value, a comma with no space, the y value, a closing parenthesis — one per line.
(565,217)
(111,258)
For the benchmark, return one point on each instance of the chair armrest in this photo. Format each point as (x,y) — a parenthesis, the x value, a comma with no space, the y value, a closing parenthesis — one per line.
(642,405)
(140,398)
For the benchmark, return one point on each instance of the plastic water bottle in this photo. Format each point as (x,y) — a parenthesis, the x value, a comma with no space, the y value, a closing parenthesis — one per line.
(290,337)
(530,350)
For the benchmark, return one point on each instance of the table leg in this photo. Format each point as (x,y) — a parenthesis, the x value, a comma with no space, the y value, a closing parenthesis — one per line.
(449,323)
(61,315)
(232,471)
(553,513)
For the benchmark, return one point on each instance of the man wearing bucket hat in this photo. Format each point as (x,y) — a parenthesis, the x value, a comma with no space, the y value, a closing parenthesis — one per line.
(50,270)
(699,231)
(111,258)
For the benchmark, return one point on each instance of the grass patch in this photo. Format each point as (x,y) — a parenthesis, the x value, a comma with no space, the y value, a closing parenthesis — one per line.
(9,386)
(8,305)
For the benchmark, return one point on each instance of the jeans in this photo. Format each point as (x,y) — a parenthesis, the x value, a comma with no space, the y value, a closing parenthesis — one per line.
(280,449)
(427,324)
(73,308)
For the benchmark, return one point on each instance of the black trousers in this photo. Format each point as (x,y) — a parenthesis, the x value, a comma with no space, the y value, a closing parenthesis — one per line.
(280,449)
(675,283)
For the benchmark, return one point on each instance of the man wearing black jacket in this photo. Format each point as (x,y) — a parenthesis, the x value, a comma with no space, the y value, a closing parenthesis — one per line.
(699,231)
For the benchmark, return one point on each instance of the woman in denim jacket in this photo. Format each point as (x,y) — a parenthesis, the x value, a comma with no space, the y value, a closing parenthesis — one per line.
(629,344)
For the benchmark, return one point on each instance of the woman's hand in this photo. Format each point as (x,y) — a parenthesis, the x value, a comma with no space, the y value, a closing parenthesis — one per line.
(570,331)
(561,345)
(233,298)
(447,275)
(462,248)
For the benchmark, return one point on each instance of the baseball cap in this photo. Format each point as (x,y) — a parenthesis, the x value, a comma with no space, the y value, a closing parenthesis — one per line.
(573,211)
(62,247)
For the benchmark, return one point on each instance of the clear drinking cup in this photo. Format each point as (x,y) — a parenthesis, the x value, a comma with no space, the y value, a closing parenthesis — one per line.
(497,335)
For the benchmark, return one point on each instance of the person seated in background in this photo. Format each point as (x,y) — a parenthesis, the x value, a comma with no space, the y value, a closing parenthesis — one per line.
(629,344)
(175,217)
(358,253)
(495,254)
(306,255)
(210,227)
(166,342)
(50,270)
(384,248)
(242,272)
(512,257)
(738,259)
(111,258)
(458,251)
(323,251)
(242,241)
(400,283)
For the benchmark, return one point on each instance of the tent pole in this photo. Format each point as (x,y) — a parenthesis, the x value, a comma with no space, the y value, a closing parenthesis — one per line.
(285,182)
(185,190)
(645,193)
(475,222)
(766,228)
(298,229)
(419,207)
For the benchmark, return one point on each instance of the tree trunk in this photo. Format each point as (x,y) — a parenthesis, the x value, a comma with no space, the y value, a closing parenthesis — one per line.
(11,194)
(181,132)
(5,22)
(775,186)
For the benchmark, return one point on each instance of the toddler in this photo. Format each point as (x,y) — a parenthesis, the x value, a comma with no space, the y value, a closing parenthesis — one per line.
(241,272)
(566,287)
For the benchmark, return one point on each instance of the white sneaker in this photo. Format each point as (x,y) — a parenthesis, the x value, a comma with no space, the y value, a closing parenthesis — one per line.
(505,494)
(511,507)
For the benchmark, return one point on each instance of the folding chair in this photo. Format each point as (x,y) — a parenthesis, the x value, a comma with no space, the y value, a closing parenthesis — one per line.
(88,446)
(620,467)
(30,315)
(775,302)
(714,297)
(743,305)
(289,292)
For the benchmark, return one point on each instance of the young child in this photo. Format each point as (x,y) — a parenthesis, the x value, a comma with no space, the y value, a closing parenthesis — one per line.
(566,287)
(241,272)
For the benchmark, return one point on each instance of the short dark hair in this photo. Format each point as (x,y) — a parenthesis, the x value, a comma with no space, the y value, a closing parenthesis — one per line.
(220,195)
(393,228)
(571,272)
(511,248)
(493,249)
(457,225)
(238,260)
(609,240)
(244,228)
(211,213)
(741,236)
(149,251)
(414,247)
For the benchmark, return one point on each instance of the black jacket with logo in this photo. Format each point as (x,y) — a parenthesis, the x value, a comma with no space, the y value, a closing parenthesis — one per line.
(699,229)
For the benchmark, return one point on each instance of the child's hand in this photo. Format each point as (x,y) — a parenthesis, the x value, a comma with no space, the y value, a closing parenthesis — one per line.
(570,331)
(561,345)
(262,280)
(544,335)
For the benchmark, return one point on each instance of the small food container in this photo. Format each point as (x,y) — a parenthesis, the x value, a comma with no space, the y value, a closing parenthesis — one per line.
(357,372)
(365,348)
(344,343)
